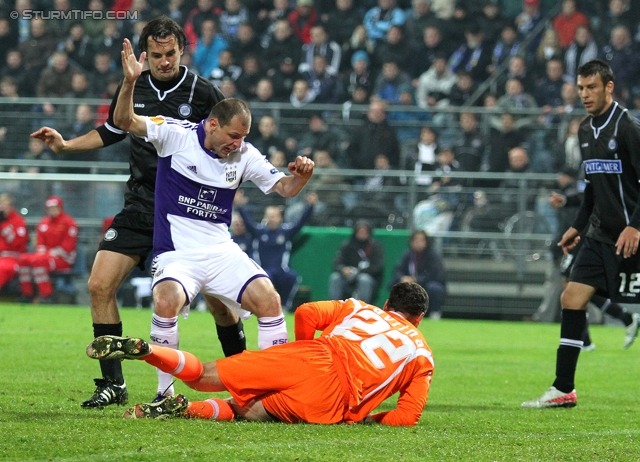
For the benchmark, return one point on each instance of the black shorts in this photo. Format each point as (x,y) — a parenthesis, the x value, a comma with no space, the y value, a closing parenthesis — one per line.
(130,233)
(613,276)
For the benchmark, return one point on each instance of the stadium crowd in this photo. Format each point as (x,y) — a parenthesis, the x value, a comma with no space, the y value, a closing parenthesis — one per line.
(407,62)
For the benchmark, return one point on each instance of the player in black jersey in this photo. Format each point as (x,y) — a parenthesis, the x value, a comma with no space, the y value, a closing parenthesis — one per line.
(165,89)
(608,262)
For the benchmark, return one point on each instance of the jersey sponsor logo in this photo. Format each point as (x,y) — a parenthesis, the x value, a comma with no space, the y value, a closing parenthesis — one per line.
(603,166)
(612,145)
(207,194)
(157,120)
(110,234)
(140,105)
(185,110)
(193,169)
(273,171)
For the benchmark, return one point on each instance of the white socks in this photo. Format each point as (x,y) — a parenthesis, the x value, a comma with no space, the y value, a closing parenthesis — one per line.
(164,332)
(272,330)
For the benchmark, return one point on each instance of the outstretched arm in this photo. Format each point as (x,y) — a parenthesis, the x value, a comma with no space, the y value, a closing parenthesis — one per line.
(59,145)
(301,170)
(123,116)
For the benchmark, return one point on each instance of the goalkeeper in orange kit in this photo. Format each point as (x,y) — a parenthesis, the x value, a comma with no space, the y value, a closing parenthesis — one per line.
(363,356)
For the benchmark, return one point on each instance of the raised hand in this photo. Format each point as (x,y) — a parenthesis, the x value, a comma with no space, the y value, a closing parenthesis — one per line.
(302,167)
(51,137)
(131,66)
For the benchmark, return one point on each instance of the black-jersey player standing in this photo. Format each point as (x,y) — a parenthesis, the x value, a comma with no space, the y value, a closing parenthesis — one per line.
(165,89)
(607,262)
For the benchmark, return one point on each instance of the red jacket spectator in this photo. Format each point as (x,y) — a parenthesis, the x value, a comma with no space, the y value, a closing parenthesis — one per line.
(567,22)
(55,250)
(13,239)
(302,19)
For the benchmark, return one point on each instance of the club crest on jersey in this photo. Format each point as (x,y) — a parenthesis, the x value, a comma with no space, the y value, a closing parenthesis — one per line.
(157,120)
(603,166)
(207,194)
(231,175)
(612,145)
(185,110)
(110,234)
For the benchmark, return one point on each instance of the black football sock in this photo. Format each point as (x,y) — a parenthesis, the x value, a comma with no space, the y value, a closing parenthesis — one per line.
(111,368)
(571,331)
(586,338)
(612,309)
(232,338)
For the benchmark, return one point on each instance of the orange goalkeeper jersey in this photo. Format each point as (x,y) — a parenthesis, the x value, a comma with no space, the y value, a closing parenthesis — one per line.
(378,352)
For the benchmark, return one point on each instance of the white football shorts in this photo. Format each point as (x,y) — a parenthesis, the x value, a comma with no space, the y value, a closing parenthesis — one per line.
(222,270)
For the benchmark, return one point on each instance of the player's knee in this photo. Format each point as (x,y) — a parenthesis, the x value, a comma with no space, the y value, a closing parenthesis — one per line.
(99,286)
(269,305)
(572,299)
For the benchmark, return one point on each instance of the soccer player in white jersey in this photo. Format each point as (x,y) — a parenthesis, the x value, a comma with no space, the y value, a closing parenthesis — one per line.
(200,167)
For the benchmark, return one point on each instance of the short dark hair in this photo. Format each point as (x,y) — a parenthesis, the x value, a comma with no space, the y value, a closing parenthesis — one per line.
(161,28)
(596,66)
(409,298)
(228,108)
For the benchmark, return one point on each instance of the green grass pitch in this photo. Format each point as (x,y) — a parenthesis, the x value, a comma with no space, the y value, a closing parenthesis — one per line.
(484,370)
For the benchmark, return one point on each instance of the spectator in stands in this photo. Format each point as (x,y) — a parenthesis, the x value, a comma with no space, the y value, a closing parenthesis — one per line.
(226,68)
(471,144)
(55,80)
(95,27)
(434,86)
(273,242)
(102,72)
(342,21)
(549,89)
(528,20)
(447,163)
(329,189)
(380,18)
(320,45)
(55,250)
(267,140)
(582,49)
(14,69)
(622,57)
(110,41)
(233,15)
(426,53)
(379,194)
(79,89)
(618,14)
(405,117)
(423,265)
(37,49)
(210,44)
(8,38)
(549,48)
(358,75)
(423,158)
(102,113)
(229,90)
(389,82)
(507,47)
(359,41)
(418,18)
(463,89)
(251,74)
(268,17)
(205,10)
(454,28)
(239,233)
(569,156)
(473,56)
(517,70)
(358,266)
(301,95)
(278,159)
(302,19)
(327,87)
(13,119)
(515,99)
(568,21)
(319,137)
(394,48)
(246,42)
(519,162)
(502,139)
(264,95)
(61,26)
(78,47)
(83,122)
(375,137)
(491,21)
(283,44)
(14,239)
(284,78)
